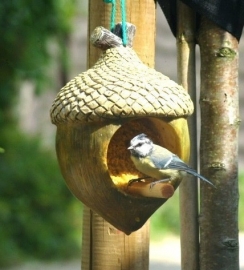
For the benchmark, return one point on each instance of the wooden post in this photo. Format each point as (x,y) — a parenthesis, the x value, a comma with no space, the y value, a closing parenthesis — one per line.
(105,247)
(142,13)
(188,188)
(219,148)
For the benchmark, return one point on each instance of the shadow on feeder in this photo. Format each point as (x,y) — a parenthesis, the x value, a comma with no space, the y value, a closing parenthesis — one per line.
(97,114)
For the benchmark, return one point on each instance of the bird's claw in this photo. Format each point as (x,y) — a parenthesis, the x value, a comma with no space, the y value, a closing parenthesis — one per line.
(152,184)
(136,180)
(159,181)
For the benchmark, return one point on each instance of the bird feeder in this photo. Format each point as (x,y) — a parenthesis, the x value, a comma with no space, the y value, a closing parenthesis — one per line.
(97,114)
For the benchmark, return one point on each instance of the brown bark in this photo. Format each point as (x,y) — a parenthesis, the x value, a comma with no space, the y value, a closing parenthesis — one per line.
(188,188)
(218,151)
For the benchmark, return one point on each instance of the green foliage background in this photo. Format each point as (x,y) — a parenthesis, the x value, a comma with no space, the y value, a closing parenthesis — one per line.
(36,208)
(37,211)
(26,26)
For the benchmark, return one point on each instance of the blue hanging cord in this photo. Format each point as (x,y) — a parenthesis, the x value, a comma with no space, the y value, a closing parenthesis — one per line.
(123,15)
(113,12)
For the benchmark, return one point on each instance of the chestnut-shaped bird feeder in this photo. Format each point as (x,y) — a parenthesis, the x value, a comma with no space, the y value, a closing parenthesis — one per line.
(97,114)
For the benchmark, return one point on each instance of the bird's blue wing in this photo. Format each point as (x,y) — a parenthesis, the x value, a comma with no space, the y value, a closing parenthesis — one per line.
(159,162)
(178,164)
(161,157)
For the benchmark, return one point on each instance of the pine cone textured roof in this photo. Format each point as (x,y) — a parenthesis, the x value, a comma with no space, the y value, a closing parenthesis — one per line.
(118,86)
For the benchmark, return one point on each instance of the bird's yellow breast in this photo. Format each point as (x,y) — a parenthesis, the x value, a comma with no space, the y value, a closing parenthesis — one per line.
(146,166)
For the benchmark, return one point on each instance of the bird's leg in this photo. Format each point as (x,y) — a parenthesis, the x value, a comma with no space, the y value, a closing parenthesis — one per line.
(137,180)
(159,181)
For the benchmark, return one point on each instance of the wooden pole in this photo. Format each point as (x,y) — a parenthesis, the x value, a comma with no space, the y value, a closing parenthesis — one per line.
(103,246)
(188,187)
(141,13)
(219,148)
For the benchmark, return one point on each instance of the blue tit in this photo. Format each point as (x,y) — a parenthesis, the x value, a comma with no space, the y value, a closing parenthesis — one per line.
(158,162)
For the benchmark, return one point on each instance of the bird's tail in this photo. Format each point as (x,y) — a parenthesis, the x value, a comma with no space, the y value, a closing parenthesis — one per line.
(194,173)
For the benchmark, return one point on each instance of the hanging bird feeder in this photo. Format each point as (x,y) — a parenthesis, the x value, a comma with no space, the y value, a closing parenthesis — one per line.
(97,114)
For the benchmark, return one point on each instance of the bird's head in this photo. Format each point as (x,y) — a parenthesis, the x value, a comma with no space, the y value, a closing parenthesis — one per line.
(141,146)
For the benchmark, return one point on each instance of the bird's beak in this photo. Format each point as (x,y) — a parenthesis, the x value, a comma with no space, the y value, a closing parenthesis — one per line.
(130,148)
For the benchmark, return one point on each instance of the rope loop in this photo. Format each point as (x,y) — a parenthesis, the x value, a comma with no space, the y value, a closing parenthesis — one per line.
(123,15)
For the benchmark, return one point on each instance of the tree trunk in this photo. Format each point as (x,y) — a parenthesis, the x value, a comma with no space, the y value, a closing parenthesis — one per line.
(219,148)
(188,188)
(103,246)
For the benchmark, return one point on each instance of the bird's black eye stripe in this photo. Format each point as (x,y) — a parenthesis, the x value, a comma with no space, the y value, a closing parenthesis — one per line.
(139,144)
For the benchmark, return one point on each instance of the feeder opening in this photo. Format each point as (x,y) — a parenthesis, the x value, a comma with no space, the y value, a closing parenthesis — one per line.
(119,163)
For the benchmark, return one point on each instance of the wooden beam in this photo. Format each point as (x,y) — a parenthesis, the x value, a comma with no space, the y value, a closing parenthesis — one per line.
(188,187)
(105,247)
